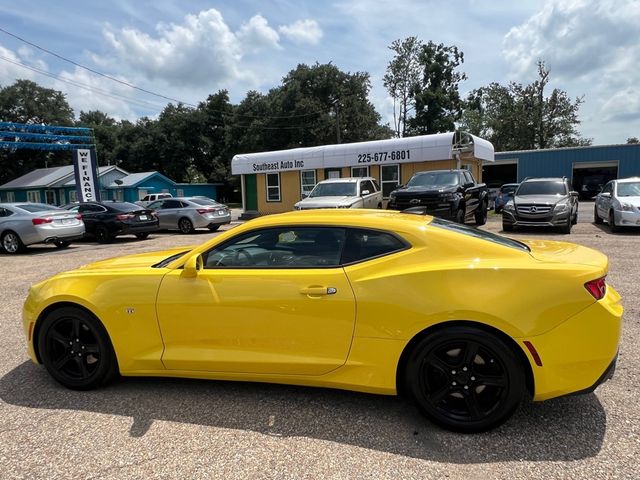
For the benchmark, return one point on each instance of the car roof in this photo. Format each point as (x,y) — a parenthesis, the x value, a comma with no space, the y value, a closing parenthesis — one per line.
(628,180)
(545,179)
(345,179)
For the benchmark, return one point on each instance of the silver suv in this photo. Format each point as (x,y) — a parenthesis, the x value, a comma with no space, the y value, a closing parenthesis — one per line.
(547,202)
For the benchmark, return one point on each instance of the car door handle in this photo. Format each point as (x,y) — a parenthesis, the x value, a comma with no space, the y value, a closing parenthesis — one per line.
(318,290)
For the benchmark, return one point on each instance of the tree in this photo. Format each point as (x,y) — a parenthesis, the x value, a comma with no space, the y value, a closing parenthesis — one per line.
(402,80)
(633,140)
(437,99)
(523,117)
(105,131)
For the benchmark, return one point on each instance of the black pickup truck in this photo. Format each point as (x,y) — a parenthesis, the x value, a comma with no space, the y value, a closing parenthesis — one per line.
(450,194)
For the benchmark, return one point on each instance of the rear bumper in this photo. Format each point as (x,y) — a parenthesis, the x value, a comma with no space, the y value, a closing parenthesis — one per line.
(212,220)
(126,229)
(48,234)
(580,353)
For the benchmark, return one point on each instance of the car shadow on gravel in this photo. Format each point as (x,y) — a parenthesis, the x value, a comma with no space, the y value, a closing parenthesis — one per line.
(564,429)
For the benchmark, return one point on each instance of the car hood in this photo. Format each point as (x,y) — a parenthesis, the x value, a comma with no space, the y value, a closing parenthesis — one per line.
(635,201)
(429,189)
(567,253)
(134,261)
(539,199)
(319,202)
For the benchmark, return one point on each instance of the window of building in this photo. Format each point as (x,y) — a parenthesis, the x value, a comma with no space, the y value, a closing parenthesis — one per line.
(50,197)
(273,187)
(307,181)
(179,192)
(33,196)
(118,195)
(332,173)
(73,196)
(360,171)
(389,178)
(11,197)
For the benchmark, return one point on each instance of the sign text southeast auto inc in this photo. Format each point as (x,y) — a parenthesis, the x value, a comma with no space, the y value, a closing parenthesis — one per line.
(277,166)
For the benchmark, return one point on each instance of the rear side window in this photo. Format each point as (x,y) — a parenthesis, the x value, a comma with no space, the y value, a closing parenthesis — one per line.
(364,244)
(37,207)
(474,232)
(172,204)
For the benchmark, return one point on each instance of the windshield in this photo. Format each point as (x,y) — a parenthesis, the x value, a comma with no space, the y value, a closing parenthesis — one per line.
(431,179)
(37,207)
(337,189)
(170,259)
(631,189)
(481,234)
(542,188)
(508,188)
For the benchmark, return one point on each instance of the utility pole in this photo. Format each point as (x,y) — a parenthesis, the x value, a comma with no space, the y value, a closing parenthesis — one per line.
(337,121)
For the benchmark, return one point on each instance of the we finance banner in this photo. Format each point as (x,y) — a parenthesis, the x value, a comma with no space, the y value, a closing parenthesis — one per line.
(85,168)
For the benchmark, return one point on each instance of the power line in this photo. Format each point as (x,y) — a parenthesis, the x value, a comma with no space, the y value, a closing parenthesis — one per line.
(92,89)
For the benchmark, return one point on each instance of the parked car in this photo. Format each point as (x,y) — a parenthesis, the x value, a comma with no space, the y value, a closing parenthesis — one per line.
(504,195)
(152,197)
(188,213)
(25,223)
(450,194)
(619,204)
(546,202)
(107,220)
(351,192)
(361,300)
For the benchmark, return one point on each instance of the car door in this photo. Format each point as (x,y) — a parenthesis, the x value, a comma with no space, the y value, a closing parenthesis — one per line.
(91,216)
(471,193)
(603,200)
(273,301)
(369,199)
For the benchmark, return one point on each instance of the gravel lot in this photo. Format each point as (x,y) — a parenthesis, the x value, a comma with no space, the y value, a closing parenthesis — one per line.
(167,428)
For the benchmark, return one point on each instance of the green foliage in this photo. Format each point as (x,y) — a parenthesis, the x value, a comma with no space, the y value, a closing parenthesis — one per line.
(437,99)
(523,117)
(633,140)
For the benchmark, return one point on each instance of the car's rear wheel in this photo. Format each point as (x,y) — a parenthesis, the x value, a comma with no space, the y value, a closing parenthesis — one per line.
(102,234)
(596,218)
(142,236)
(75,349)
(465,379)
(185,225)
(61,243)
(481,214)
(11,242)
(612,222)
(213,228)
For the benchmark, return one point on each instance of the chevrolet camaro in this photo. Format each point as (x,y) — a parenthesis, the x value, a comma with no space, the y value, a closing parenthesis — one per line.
(465,323)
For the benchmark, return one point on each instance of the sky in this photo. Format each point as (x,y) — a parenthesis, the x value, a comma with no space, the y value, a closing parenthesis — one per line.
(187,49)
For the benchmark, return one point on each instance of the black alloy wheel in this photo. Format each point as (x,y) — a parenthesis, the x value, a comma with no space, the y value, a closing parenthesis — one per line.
(481,214)
(460,216)
(11,242)
(142,235)
(102,234)
(61,243)
(596,218)
(185,225)
(76,349)
(465,379)
(566,229)
(213,228)
(612,222)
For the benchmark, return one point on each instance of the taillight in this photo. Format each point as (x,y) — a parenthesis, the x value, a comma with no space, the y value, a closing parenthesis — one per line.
(597,288)
(78,217)
(40,221)
(124,216)
(202,211)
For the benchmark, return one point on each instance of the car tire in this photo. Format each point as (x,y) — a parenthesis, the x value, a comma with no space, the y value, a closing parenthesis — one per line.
(185,225)
(481,215)
(76,350)
(102,234)
(61,244)
(566,229)
(464,379)
(596,218)
(497,209)
(507,227)
(11,243)
(612,222)
(213,228)
(142,235)
(460,216)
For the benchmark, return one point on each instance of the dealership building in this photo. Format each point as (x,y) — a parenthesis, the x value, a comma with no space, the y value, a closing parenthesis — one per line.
(273,182)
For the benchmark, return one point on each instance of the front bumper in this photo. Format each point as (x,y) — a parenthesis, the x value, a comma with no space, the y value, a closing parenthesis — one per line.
(625,218)
(580,353)
(552,219)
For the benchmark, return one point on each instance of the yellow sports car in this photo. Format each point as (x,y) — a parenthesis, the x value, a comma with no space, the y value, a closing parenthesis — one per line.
(466,323)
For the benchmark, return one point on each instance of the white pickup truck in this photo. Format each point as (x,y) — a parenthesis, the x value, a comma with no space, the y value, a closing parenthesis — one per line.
(361,192)
(152,197)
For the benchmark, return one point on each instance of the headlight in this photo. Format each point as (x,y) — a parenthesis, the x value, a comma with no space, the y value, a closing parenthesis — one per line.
(560,207)
(297,207)
(392,196)
(509,206)
(626,207)
(344,206)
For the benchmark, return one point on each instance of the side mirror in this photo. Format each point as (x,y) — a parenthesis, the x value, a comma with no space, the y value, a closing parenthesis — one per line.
(304,195)
(192,266)
(605,194)
(365,192)
(573,194)
(468,184)
(511,194)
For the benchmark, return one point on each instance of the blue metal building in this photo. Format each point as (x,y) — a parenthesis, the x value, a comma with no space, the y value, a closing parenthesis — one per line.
(582,165)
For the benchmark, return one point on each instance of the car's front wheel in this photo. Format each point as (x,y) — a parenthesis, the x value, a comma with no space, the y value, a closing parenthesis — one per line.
(465,379)
(597,219)
(612,222)
(11,242)
(185,225)
(481,214)
(75,349)
(142,235)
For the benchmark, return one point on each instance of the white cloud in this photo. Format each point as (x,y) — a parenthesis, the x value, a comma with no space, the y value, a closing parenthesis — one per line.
(591,47)
(257,35)
(302,31)
(10,71)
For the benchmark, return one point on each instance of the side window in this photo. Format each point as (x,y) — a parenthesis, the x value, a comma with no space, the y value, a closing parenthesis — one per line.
(146,198)
(467,177)
(365,244)
(171,204)
(5,212)
(367,185)
(608,188)
(154,206)
(293,247)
